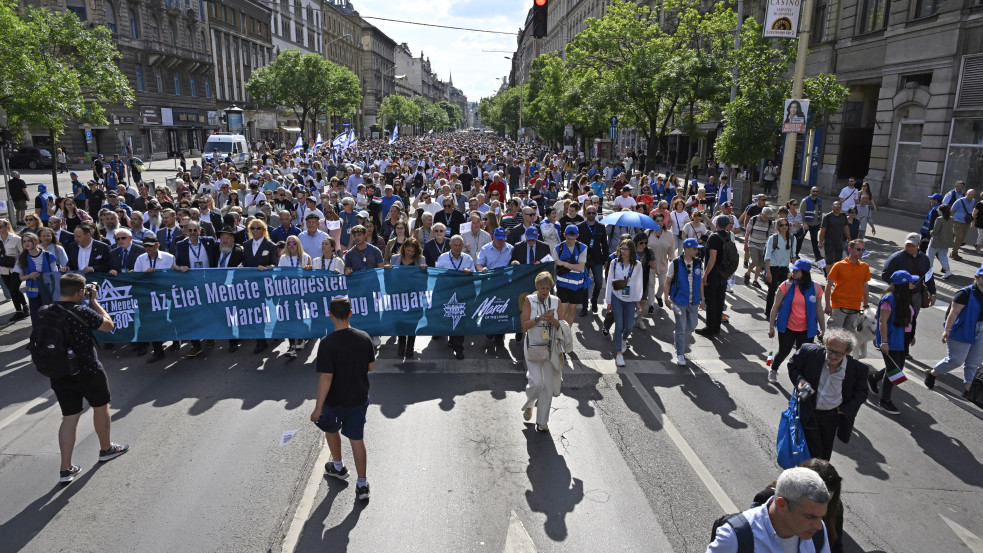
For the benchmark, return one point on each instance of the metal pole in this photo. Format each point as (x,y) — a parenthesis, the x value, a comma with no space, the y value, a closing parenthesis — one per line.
(788,160)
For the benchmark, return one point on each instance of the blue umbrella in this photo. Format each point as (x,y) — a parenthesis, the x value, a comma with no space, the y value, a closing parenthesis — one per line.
(631,219)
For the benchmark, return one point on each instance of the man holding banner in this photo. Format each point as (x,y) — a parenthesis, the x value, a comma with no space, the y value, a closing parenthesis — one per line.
(457,260)
(495,255)
(155,260)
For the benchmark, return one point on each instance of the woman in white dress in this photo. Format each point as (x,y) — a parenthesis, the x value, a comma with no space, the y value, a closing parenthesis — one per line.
(542,351)
(294,256)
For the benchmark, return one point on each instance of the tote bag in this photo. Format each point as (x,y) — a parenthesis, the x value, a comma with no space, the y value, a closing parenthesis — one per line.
(791,443)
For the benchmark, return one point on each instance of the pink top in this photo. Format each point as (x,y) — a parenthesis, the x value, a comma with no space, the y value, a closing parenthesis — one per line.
(797,317)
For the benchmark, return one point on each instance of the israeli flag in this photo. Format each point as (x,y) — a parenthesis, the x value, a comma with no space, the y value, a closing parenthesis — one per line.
(299,145)
(392,139)
(352,139)
(431,131)
(340,140)
(318,142)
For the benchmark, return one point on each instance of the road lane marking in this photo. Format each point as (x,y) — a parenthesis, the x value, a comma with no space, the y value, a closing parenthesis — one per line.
(691,457)
(305,507)
(25,408)
(518,540)
(972,541)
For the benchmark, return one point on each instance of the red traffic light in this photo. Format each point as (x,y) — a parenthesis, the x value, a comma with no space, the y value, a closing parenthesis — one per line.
(540,2)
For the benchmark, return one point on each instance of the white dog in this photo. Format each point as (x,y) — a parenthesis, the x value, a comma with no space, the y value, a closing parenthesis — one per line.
(865,332)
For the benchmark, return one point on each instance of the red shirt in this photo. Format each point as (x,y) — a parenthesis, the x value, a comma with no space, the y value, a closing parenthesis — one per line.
(497,186)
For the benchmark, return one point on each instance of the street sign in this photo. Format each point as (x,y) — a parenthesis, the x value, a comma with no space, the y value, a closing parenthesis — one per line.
(613,133)
(88,135)
(613,120)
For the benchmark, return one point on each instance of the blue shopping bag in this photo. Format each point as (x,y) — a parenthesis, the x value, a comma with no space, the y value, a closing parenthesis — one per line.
(791,443)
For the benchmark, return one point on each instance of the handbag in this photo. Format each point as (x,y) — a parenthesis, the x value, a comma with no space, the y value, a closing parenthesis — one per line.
(538,350)
(791,442)
(619,284)
(926,299)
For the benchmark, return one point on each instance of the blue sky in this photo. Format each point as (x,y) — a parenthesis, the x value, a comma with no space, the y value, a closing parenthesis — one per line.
(452,52)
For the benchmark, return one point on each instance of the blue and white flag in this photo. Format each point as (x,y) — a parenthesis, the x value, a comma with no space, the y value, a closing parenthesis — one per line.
(392,139)
(352,139)
(340,140)
(431,131)
(318,142)
(299,145)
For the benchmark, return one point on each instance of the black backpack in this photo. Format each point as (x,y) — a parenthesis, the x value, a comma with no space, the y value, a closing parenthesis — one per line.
(730,259)
(50,342)
(745,536)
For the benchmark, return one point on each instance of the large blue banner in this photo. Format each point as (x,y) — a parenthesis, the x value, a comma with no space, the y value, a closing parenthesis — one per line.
(293,303)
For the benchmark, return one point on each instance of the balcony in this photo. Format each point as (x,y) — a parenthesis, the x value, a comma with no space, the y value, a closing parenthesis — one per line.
(175,57)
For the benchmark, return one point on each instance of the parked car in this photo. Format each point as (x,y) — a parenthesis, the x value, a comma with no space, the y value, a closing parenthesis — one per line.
(31,157)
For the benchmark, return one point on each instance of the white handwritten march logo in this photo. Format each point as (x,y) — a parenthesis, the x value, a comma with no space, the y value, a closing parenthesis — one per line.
(454,310)
(118,303)
(492,309)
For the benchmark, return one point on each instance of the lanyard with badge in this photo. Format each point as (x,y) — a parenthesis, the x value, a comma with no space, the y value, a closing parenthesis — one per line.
(197,254)
(627,289)
(545,329)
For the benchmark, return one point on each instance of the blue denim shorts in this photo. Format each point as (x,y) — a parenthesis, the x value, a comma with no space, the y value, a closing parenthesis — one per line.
(350,420)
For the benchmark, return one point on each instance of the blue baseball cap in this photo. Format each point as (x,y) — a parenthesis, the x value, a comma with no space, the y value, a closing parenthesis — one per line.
(979,272)
(801,265)
(903,277)
(500,234)
(691,243)
(572,230)
(42,189)
(937,197)
(532,233)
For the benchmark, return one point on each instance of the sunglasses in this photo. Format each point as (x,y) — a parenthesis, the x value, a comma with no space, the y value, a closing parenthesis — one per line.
(255,228)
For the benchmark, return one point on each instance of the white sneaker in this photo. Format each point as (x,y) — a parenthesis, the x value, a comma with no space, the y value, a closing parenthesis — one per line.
(291,352)
(641,324)
(681,360)
(773,376)
(619,360)
(946,275)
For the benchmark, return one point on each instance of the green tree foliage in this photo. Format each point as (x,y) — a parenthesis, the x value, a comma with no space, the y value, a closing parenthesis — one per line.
(490,111)
(501,111)
(432,117)
(628,64)
(400,109)
(546,108)
(53,70)
(455,117)
(754,117)
(306,83)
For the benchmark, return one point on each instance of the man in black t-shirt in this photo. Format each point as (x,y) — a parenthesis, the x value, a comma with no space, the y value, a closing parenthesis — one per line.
(715,279)
(344,359)
(89,381)
(18,195)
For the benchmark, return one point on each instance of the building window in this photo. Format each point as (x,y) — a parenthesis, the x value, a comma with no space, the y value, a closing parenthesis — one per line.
(925,8)
(874,16)
(177,84)
(906,155)
(110,16)
(916,80)
(201,10)
(255,56)
(159,77)
(964,160)
(78,8)
(192,85)
(141,86)
(208,87)
(204,43)
(191,39)
(818,32)
(172,33)
(134,22)
(298,34)
(285,28)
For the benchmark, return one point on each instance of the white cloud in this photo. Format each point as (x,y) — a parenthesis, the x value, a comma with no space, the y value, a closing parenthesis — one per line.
(453,52)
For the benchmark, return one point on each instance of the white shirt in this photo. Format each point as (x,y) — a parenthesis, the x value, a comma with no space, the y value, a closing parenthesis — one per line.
(293,261)
(431,208)
(197,254)
(849,197)
(84,254)
(766,540)
(448,261)
(335,264)
(164,261)
(622,202)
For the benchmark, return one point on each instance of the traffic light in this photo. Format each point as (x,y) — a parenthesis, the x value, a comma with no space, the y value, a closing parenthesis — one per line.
(539,18)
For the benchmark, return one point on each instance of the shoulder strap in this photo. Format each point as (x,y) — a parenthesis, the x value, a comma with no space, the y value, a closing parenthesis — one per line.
(742,529)
(819,540)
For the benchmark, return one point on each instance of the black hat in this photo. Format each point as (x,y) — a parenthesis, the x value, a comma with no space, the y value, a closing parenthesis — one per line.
(150,239)
(228,229)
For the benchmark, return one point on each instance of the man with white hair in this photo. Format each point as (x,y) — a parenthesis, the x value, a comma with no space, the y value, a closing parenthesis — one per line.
(791,520)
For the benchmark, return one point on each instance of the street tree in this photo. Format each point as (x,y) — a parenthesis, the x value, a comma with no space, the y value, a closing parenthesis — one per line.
(454,115)
(396,108)
(54,69)
(753,119)
(308,84)
(432,117)
(630,65)
(546,109)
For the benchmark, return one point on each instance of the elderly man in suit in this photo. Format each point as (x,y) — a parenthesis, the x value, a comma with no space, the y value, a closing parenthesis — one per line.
(840,389)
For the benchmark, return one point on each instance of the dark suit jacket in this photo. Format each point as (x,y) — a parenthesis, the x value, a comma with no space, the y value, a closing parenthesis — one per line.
(207,228)
(98,259)
(268,254)
(542,249)
(452,222)
(116,257)
(176,235)
(235,259)
(807,363)
(183,255)
(518,234)
(431,253)
(65,238)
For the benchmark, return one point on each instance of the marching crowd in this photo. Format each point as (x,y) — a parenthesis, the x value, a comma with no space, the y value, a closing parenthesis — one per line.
(472,203)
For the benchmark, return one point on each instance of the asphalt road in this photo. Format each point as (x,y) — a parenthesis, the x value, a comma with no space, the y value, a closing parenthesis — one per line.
(638,459)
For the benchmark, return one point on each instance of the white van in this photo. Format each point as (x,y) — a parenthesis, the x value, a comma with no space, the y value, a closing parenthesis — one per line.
(227,145)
